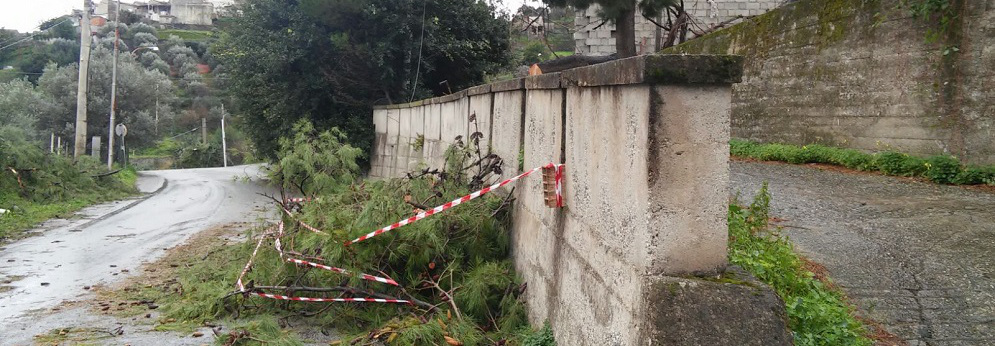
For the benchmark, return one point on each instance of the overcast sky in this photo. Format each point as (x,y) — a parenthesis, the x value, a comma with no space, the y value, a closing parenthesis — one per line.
(26,15)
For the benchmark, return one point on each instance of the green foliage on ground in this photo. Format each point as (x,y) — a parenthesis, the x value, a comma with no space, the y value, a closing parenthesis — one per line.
(817,314)
(36,185)
(541,337)
(941,169)
(457,261)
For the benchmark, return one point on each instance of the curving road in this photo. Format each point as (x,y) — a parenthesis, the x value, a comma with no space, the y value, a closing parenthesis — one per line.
(56,265)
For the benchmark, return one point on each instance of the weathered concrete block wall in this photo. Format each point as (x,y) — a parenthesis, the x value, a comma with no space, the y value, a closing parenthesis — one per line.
(862,74)
(645,144)
(594,37)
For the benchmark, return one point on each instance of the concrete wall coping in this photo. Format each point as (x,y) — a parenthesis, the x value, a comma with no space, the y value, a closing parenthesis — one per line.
(659,69)
(643,69)
(403,105)
(543,81)
(450,98)
(477,90)
(508,85)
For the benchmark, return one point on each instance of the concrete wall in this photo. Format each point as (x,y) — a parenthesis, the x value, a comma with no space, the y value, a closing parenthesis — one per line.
(192,12)
(862,74)
(592,38)
(645,143)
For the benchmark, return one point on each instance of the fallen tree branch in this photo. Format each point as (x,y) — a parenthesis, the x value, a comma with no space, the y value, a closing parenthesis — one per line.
(448,296)
(18,175)
(101,175)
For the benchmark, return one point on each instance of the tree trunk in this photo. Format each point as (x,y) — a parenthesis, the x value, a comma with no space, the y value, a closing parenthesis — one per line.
(625,33)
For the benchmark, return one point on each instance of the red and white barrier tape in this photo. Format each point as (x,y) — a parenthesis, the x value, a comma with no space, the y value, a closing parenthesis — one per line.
(308,227)
(451,204)
(343,271)
(296,200)
(309,299)
(559,185)
(279,248)
(248,264)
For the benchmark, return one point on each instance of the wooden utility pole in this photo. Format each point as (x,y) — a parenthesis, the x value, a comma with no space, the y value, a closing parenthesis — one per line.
(84,65)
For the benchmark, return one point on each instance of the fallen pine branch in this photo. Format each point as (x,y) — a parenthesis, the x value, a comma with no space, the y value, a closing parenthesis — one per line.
(106,174)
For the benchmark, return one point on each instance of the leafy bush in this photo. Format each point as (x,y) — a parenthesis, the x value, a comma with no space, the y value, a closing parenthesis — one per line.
(541,337)
(42,185)
(817,314)
(164,147)
(976,175)
(534,52)
(943,169)
(898,164)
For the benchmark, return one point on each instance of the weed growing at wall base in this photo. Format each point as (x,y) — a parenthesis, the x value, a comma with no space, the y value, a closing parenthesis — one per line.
(940,169)
(817,314)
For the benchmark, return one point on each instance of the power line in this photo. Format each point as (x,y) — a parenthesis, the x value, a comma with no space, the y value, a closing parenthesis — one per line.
(35,34)
(421,42)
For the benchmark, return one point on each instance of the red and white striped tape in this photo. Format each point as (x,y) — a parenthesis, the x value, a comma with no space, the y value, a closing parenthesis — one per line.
(342,271)
(248,264)
(279,248)
(296,200)
(451,204)
(559,185)
(309,299)
(308,227)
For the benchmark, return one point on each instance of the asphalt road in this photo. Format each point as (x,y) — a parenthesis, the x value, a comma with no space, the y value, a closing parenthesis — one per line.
(57,264)
(917,257)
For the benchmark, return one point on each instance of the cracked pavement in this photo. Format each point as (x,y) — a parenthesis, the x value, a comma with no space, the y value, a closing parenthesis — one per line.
(917,257)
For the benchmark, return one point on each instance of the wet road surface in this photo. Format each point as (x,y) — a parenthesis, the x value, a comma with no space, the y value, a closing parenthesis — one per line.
(56,265)
(917,257)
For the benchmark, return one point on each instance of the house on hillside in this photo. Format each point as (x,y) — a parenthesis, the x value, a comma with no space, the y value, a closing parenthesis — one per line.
(596,38)
(184,12)
(535,26)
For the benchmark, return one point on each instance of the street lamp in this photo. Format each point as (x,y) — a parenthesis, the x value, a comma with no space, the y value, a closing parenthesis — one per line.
(152,48)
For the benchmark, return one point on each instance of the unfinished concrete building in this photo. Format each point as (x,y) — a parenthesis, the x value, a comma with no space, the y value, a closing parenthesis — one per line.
(593,36)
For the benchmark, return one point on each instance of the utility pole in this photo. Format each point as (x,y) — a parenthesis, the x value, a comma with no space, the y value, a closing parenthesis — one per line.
(203,131)
(157,109)
(110,126)
(84,66)
(224,144)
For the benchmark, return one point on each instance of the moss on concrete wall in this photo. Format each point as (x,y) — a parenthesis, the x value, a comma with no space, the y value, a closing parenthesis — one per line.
(862,74)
